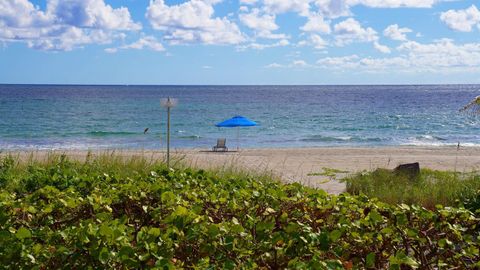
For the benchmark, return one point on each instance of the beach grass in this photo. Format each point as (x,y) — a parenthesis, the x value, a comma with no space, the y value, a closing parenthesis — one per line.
(429,189)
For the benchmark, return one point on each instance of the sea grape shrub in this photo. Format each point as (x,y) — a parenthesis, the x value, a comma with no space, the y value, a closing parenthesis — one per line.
(473,203)
(169,219)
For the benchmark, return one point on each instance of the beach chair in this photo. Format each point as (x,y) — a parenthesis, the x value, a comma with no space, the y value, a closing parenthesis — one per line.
(220,145)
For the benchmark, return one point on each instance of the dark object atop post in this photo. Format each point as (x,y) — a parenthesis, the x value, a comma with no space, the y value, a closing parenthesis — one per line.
(412,170)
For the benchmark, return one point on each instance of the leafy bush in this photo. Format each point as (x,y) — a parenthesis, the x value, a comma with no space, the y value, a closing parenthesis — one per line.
(130,214)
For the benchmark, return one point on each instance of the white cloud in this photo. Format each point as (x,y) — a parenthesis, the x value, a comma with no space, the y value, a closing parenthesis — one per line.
(299,63)
(274,65)
(342,62)
(350,30)
(315,41)
(341,8)
(22,14)
(248,2)
(383,64)
(462,20)
(283,6)
(192,22)
(346,32)
(111,50)
(262,24)
(207,67)
(260,46)
(441,56)
(381,48)
(270,35)
(64,25)
(396,33)
(146,42)
(91,13)
(333,8)
(294,64)
(69,38)
(254,20)
(318,42)
(316,23)
(393,3)
(443,53)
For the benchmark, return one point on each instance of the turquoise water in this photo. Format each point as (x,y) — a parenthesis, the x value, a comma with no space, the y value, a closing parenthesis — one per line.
(87,117)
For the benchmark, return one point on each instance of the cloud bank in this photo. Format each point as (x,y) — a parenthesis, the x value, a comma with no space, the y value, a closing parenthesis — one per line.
(64,25)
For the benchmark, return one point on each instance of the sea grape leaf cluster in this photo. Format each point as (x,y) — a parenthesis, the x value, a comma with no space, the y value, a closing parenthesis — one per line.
(69,215)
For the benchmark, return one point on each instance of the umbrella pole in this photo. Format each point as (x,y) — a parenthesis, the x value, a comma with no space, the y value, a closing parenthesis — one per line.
(238,138)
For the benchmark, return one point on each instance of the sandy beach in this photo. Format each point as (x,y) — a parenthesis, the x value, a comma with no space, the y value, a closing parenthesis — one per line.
(306,165)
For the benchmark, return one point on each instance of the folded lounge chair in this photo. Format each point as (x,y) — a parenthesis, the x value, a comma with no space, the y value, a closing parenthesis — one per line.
(220,145)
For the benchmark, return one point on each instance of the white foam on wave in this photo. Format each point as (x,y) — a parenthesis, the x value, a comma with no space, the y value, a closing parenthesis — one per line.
(434,142)
(56,146)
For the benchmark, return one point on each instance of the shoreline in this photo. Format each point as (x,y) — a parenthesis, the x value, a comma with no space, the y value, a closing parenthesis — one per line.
(304,165)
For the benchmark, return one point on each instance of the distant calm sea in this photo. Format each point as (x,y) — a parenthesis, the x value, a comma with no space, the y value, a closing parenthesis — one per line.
(92,117)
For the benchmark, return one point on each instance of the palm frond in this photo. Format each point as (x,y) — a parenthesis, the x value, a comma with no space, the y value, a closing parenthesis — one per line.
(473,106)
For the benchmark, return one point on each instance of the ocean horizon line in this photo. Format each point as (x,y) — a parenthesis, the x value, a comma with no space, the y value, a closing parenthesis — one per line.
(240,85)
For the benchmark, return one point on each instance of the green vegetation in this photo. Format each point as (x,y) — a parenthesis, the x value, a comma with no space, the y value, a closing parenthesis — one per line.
(332,173)
(429,189)
(328,174)
(109,212)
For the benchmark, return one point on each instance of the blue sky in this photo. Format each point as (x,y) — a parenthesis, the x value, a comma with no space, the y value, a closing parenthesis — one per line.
(239,41)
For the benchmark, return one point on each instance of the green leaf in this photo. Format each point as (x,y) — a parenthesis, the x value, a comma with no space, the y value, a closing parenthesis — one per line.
(324,241)
(155,232)
(265,226)
(126,251)
(23,233)
(235,221)
(269,210)
(401,219)
(370,260)
(37,248)
(375,216)
(32,259)
(335,235)
(387,230)
(213,230)
(105,230)
(168,197)
(229,264)
(237,229)
(402,259)
(103,256)
(444,242)
(181,211)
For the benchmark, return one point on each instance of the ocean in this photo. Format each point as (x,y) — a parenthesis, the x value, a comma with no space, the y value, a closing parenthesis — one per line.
(115,117)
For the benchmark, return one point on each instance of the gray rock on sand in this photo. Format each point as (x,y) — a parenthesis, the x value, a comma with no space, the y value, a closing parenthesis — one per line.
(412,170)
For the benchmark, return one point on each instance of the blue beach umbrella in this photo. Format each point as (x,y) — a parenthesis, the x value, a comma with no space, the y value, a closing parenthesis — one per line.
(237,121)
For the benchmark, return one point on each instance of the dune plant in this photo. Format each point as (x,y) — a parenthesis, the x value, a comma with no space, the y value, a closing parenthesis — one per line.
(429,189)
(134,213)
